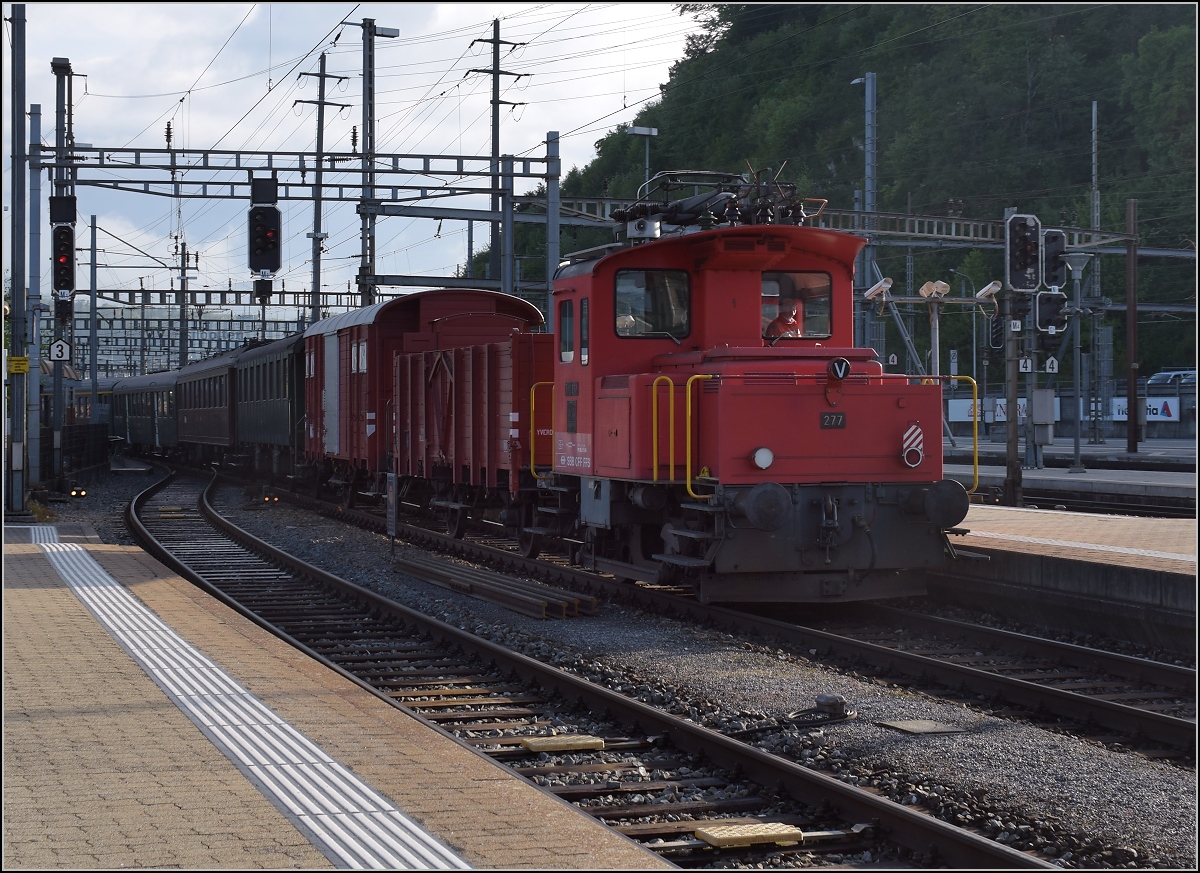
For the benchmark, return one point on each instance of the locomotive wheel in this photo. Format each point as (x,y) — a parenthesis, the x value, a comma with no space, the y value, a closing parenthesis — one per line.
(456,522)
(529,544)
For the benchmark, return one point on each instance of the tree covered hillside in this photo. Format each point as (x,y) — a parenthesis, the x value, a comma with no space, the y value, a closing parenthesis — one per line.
(980,107)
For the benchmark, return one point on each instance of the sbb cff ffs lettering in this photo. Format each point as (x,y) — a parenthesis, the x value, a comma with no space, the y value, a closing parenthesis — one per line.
(264,243)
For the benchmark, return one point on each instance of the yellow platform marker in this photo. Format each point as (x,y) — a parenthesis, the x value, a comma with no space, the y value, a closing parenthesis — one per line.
(723,836)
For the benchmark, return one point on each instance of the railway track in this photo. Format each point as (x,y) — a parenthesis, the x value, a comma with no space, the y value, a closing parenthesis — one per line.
(1131,703)
(1151,706)
(689,793)
(1148,507)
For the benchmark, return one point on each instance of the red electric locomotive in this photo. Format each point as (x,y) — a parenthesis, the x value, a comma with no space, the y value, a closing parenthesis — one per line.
(713,422)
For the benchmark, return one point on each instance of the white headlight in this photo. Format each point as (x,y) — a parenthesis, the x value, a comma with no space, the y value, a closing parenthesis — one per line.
(763,458)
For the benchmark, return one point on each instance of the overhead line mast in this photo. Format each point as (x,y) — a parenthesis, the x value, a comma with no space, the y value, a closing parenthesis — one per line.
(495,72)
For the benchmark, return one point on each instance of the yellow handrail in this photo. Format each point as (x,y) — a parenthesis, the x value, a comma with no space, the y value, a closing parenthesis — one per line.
(688,442)
(533,427)
(654,424)
(974,426)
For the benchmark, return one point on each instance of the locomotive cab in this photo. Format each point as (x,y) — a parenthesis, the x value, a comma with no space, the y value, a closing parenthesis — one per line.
(722,429)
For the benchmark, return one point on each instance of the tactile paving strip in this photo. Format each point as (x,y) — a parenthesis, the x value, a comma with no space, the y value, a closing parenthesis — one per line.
(353,825)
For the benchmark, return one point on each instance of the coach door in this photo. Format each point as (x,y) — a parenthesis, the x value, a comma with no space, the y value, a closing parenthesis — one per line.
(330,396)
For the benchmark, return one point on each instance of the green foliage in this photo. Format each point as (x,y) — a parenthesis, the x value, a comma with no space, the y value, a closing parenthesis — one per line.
(984,107)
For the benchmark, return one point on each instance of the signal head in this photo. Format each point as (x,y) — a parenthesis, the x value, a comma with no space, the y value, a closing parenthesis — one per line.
(63,248)
(263,248)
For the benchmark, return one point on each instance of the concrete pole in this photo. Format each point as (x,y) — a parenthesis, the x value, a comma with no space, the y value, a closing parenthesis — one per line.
(553,236)
(494,265)
(1077,363)
(61,67)
(33,310)
(94,325)
(182,299)
(367,232)
(1131,330)
(507,277)
(1012,479)
(16,459)
(317,236)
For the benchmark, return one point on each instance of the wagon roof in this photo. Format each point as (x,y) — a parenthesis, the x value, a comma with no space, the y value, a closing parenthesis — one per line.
(271,347)
(165,379)
(372,313)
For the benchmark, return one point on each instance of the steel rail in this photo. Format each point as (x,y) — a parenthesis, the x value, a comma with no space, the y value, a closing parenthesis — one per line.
(1182,679)
(1174,732)
(913,829)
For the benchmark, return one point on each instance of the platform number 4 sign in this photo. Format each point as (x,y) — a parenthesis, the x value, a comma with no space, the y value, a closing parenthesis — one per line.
(1026,365)
(1052,365)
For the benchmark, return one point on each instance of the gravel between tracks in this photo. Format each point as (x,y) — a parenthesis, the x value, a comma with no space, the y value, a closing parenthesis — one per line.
(1081,805)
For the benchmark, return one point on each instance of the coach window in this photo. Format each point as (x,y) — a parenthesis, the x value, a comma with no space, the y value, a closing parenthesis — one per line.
(566,331)
(653,303)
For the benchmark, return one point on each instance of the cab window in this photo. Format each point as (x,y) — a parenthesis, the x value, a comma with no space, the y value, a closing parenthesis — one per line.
(796,306)
(653,303)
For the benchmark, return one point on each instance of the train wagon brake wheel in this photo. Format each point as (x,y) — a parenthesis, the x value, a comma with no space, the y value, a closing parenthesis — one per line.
(529,544)
(456,521)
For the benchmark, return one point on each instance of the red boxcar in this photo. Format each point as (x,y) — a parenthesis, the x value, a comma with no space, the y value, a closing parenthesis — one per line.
(463,423)
(348,361)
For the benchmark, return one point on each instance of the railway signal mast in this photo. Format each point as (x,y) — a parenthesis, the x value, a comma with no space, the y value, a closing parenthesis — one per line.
(1022,277)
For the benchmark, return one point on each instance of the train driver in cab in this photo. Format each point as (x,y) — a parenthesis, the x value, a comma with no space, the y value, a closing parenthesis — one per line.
(787,323)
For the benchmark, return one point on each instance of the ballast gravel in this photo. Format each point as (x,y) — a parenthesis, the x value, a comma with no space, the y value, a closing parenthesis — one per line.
(1076,804)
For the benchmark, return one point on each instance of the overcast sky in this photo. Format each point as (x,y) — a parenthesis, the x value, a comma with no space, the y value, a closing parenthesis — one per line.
(228,76)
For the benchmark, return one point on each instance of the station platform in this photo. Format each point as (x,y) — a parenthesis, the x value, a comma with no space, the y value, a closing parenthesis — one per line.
(1099,485)
(1126,577)
(1161,474)
(148,725)
(1159,544)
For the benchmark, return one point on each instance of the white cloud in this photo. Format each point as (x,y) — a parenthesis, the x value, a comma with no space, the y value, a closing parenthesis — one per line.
(586,68)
